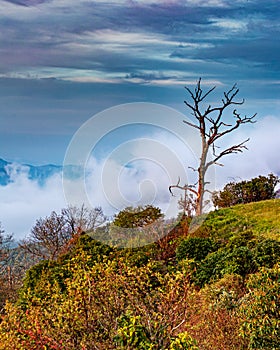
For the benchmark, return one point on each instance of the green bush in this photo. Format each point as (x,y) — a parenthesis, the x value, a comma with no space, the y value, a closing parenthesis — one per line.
(131,334)
(254,190)
(243,239)
(210,268)
(38,276)
(55,272)
(242,256)
(96,249)
(260,310)
(238,261)
(137,256)
(34,274)
(195,248)
(267,253)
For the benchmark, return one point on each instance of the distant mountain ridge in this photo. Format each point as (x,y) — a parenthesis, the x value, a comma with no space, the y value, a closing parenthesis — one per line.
(9,171)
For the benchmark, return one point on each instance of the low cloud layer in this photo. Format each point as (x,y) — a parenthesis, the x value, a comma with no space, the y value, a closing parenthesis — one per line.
(24,200)
(142,177)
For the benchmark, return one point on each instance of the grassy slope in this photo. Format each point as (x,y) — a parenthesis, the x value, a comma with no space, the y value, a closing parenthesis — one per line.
(261,218)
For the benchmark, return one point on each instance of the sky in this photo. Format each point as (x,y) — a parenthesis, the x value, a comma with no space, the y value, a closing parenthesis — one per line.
(64,62)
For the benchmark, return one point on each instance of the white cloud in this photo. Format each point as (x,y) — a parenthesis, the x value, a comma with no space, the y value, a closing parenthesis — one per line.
(23,201)
(231,25)
(139,172)
(111,37)
(262,156)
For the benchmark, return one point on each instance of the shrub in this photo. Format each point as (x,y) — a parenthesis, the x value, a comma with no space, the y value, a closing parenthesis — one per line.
(238,261)
(210,268)
(225,293)
(102,304)
(243,239)
(254,190)
(57,271)
(195,248)
(132,334)
(267,253)
(260,310)
(183,341)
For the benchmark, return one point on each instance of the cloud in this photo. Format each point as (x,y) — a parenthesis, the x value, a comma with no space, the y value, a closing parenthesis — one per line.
(122,37)
(24,201)
(139,171)
(261,158)
(63,61)
(26,2)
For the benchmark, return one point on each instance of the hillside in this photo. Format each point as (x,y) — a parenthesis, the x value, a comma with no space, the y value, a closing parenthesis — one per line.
(216,287)
(262,218)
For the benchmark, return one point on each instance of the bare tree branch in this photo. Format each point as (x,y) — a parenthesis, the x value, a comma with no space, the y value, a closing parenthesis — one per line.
(185,188)
(191,124)
(212,128)
(194,169)
(233,149)
(50,235)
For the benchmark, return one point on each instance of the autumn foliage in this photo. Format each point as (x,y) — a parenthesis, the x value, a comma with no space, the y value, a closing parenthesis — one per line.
(217,290)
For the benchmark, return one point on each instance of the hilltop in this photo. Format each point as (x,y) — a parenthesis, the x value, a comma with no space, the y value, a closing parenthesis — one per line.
(212,285)
(262,218)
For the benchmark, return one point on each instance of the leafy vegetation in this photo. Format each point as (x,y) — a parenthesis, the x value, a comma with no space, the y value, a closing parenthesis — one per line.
(137,217)
(196,248)
(55,234)
(254,190)
(260,309)
(215,286)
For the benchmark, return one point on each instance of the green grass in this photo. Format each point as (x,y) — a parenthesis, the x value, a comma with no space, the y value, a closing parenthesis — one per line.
(261,218)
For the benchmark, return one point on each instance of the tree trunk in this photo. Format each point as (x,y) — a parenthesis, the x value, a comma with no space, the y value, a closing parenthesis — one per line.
(201,177)
(212,128)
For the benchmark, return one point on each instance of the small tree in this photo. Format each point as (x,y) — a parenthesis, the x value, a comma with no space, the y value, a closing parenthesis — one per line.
(137,217)
(51,235)
(211,126)
(136,226)
(5,245)
(12,267)
(83,219)
(47,237)
(257,189)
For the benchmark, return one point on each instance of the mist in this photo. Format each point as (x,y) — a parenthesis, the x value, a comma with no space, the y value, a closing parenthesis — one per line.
(137,172)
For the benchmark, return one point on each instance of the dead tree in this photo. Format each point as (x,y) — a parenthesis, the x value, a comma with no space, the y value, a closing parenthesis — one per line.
(187,201)
(209,122)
